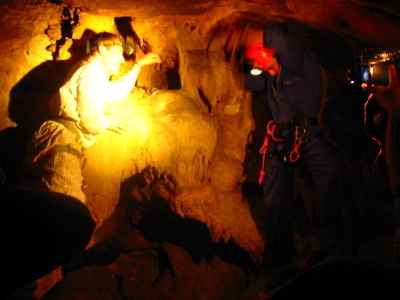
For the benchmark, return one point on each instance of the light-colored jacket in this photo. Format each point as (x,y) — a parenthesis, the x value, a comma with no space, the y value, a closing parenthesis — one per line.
(83,97)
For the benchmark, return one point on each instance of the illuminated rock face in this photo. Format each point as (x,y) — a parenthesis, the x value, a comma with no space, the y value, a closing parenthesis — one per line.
(194,132)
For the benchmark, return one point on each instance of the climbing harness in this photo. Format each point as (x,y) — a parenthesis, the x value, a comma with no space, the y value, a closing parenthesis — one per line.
(300,133)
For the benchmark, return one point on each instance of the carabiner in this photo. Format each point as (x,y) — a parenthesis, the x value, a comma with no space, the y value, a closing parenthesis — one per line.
(295,154)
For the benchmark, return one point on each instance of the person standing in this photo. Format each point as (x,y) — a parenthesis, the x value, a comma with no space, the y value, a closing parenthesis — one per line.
(291,77)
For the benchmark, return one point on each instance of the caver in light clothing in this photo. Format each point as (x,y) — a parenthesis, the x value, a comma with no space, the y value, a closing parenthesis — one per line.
(83,97)
(80,103)
(77,110)
(57,227)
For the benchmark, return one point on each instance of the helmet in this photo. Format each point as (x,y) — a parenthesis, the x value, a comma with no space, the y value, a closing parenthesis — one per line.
(257,55)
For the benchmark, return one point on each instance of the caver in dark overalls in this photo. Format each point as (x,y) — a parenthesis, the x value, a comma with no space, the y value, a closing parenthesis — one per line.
(293,138)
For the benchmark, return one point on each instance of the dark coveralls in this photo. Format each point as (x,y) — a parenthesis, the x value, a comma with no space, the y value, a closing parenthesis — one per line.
(294,98)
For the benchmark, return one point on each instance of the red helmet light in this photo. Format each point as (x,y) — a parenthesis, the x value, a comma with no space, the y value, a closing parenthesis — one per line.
(258,55)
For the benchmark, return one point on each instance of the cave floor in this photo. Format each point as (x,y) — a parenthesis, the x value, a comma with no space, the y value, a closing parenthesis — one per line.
(309,250)
(376,244)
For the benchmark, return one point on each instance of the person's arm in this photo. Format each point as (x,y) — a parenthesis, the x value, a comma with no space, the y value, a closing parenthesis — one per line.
(94,90)
(389,98)
(122,87)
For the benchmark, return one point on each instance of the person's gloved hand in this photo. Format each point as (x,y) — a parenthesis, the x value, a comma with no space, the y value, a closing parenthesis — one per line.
(148,59)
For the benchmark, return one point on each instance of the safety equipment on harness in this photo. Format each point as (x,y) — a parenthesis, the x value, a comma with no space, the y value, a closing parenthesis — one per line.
(270,133)
(300,129)
(298,140)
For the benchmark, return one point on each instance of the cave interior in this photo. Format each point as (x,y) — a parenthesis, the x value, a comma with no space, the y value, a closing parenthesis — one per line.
(180,187)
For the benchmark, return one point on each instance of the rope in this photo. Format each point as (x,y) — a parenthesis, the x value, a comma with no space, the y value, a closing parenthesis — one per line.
(270,133)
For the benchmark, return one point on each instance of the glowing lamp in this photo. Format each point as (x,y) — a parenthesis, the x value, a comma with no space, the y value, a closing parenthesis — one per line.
(256,70)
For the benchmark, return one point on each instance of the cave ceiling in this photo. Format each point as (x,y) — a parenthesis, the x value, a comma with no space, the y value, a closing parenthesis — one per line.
(373,22)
